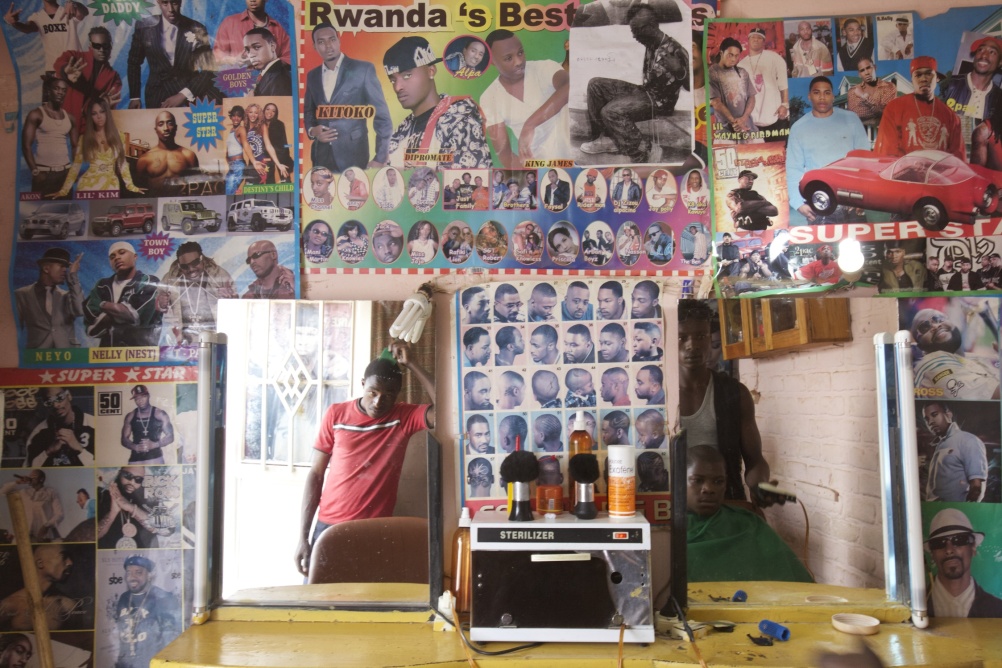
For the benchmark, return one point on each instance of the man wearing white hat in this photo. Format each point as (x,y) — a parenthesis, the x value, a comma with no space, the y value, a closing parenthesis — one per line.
(121,309)
(953,544)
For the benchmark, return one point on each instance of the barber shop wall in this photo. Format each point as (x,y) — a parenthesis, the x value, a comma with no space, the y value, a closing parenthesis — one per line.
(816,412)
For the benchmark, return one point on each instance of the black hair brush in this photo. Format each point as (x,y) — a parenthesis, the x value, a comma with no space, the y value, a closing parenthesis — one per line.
(583,468)
(520,468)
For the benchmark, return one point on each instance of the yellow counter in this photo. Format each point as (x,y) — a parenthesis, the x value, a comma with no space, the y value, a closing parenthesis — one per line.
(285,637)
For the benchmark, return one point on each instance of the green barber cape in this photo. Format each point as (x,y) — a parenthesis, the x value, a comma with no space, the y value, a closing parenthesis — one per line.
(736,544)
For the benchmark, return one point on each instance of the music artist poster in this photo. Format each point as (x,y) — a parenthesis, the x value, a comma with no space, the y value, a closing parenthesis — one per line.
(456,137)
(104,460)
(155,173)
(531,355)
(877,127)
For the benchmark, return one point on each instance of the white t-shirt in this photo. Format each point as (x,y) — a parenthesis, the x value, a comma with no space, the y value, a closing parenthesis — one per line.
(551,139)
(768,74)
(58,34)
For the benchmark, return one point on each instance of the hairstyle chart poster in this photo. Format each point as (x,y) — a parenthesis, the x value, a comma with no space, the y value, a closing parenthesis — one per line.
(531,355)
(155,173)
(877,127)
(104,460)
(488,136)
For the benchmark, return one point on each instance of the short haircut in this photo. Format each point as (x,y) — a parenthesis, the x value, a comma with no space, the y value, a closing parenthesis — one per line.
(543,290)
(479,462)
(650,287)
(540,376)
(383,369)
(498,35)
(694,309)
(237,110)
(942,404)
(471,380)
(655,372)
(637,8)
(578,284)
(648,328)
(575,374)
(516,425)
(618,420)
(476,419)
(618,372)
(268,35)
(100,30)
(846,23)
(504,290)
(513,377)
(321,26)
(648,465)
(473,335)
(549,425)
(703,454)
(822,79)
(189,247)
(469,294)
(651,414)
(615,329)
(505,337)
(547,332)
(580,330)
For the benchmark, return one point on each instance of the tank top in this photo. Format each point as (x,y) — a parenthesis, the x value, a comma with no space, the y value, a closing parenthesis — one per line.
(149,428)
(701,426)
(51,137)
(233,147)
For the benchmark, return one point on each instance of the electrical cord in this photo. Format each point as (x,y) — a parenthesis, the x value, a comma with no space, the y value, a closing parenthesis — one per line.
(460,627)
(807,536)
(688,631)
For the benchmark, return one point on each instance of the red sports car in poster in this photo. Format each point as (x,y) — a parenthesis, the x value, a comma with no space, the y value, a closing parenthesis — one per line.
(933,186)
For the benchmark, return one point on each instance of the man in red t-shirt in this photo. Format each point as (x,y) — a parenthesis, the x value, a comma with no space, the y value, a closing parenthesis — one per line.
(363,442)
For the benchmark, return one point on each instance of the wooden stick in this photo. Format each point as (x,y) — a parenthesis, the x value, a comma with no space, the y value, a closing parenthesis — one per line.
(30,574)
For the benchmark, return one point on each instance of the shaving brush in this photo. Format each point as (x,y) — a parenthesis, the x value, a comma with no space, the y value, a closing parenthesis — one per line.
(583,468)
(520,468)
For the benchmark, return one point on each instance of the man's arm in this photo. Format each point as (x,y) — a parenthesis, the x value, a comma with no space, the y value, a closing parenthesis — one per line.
(134,68)
(401,351)
(167,437)
(557,101)
(311,501)
(12,19)
(382,126)
(498,134)
(126,438)
(31,123)
(756,467)
(979,144)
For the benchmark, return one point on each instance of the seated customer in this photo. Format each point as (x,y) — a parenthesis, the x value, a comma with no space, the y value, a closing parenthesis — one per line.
(727,542)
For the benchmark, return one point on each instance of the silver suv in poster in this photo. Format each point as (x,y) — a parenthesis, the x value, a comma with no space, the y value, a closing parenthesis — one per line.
(189,215)
(258,214)
(55,219)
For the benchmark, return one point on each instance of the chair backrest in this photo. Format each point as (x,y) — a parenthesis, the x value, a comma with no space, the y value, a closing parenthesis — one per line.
(382,549)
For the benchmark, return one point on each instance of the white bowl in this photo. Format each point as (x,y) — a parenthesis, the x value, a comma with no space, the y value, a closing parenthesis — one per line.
(860,625)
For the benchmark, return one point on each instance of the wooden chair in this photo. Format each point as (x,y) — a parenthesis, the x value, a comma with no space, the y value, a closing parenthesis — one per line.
(382,549)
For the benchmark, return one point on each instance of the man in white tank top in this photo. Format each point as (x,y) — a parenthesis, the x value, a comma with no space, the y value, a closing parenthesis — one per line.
(43,139)
(57,27)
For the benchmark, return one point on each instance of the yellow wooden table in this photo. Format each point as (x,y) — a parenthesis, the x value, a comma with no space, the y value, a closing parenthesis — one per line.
(289,637)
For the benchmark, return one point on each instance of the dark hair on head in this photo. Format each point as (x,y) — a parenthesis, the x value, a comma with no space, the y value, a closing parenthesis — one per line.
(475,419)
(473,335)
(515,424)
(100,30)
(559,229)
(384,370)
(189,247)
(498,35)
(655,372)
(321,26)
(617,372)
(9,639)
(637,8)
(851,20)
(547,332)
(694,309)
(547,290)
(615,329)
(505,337)
(84,492)
(579,285)
(618,420)
(549,425)
(615,286)
(649,465)
(268,35)
(648,328)
(580,330)
(237,110)
(822,79)
(469,294)
(471,379)
(702,454)
(650,287)
(728,42)
(504,290)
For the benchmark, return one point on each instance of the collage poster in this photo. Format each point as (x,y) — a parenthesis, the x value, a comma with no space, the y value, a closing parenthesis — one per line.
(533,354)
(877,127)
(955,353)
(155,174)
(494,136)
(104,460)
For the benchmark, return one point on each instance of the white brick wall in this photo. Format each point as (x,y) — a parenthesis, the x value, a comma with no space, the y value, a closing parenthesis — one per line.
(817,417)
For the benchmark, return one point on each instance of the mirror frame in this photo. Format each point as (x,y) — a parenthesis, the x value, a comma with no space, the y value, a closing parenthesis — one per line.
(211,488)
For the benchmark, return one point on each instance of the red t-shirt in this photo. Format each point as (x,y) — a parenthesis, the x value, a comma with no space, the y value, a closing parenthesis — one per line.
(367,456)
